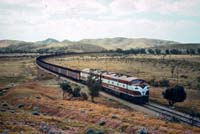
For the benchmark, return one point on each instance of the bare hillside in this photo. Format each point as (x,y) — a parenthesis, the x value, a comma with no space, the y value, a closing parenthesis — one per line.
(127,43)
(90,45)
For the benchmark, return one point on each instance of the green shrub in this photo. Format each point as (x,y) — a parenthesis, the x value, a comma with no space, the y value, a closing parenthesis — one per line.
(174,94)
(76,92)
(65,86)
(164,83)
(94,86)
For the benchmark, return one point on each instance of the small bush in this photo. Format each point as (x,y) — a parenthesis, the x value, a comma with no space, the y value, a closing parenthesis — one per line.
(142,131)
(35,113)
(76,92)
(102,123)
(164,83)
(174,94)
(94,86)
(184,76)
(4,104)
(90,131)
(65,86)
(84,96)
(154,83)
(94,131)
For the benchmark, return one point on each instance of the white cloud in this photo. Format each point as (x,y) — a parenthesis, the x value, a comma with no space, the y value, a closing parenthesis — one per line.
(184,7)
(74,29)
(74,8)
(179,7)
(77,19)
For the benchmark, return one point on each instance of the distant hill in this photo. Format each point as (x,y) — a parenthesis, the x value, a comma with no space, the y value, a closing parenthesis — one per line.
(72,48)
(48,45)
(181,46)
(89,45)
(127,43)
(80,47)
(6,43)
(47,41)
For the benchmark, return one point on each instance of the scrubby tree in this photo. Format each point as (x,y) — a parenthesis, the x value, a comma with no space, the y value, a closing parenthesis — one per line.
(76,92)
(94,86)
(158,51)
(167,51)
(119,50)
(174,94)
(198,50)
(175,51)
(142,51)
(150,51)
(66,88)
(164,83)
(190,51)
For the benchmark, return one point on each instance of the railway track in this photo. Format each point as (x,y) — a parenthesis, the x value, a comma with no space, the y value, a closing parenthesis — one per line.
(166,112)
(171,114)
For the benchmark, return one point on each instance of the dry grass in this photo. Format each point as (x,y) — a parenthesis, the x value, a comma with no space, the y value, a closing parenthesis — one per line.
(75,116)
(16,70)
(191,103)
(148,67)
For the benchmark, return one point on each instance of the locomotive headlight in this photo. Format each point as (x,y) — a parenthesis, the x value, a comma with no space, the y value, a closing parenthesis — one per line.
(143,93)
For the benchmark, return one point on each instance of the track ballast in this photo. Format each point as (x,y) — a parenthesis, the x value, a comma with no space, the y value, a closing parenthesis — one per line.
(166,112)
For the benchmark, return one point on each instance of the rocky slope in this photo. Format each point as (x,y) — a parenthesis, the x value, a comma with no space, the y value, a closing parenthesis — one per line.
(37,107)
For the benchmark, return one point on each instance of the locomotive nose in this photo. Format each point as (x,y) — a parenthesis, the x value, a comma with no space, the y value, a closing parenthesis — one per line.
(143,93)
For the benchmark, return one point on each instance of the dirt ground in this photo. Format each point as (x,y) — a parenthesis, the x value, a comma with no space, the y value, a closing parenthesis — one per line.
(37,106)
(148,67)
(16,70)
(73,116)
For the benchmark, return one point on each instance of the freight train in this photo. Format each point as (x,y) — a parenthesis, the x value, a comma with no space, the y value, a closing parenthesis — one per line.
(130,88)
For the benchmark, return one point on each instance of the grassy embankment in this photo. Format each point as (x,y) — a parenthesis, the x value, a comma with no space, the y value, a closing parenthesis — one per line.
(16,70)
(151,68)
(44,97)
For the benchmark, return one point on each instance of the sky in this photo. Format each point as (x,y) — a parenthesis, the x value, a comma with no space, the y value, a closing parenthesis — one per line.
(34,20)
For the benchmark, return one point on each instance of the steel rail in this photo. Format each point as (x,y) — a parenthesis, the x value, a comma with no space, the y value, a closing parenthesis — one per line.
(173,114)
(182,117)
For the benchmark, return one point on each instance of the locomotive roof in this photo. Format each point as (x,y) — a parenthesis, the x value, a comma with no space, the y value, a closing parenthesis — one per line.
(87,70)
(94,71)
(111,75)
(119,76)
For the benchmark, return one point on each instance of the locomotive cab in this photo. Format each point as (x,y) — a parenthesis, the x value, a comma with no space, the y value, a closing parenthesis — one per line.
(140,86)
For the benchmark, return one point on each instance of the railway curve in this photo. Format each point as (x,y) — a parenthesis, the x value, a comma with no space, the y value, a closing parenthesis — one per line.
(161,110)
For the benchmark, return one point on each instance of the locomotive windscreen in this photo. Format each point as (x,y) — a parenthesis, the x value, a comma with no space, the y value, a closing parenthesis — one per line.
(138,82)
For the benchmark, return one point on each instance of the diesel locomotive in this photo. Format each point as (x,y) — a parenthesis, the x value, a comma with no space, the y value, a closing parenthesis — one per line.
(127,87)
